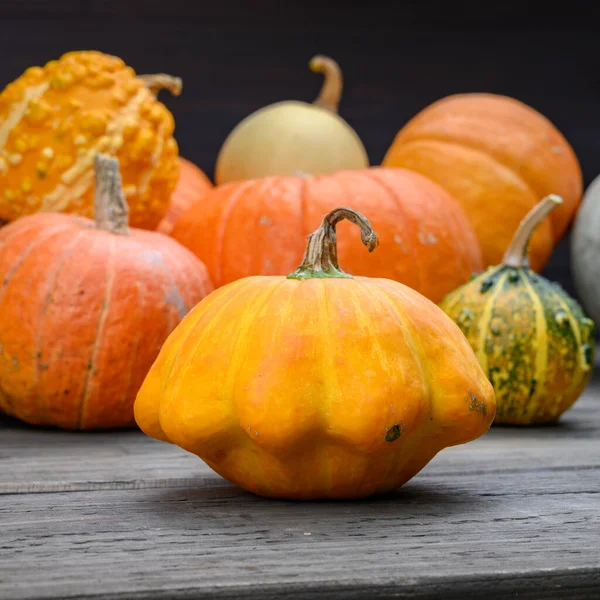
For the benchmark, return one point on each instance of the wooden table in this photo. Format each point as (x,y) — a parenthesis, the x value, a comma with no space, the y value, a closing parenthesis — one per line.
(118,515)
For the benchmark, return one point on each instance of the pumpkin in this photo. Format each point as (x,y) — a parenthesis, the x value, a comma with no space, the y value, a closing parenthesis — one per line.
(191,187)
(531,338)
(259,227)
(290,136)
(84,309)
(497,157)
(53,121)
(318,384)
(585,251)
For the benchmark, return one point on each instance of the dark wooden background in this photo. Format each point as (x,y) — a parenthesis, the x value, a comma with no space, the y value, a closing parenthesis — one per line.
(236,56)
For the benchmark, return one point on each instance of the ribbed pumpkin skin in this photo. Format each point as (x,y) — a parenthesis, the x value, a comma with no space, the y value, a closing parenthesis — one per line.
(259,227)
(322,388)
(532,340)
(497,157)
(83,314)
(55,119)
(191,188)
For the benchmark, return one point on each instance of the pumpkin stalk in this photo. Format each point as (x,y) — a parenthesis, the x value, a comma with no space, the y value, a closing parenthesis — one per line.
(320,257)
(162,81)
(516,254)
(331,92)
(111,210)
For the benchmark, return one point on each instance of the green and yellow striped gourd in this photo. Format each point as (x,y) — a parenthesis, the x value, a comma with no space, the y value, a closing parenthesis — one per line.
(531,338)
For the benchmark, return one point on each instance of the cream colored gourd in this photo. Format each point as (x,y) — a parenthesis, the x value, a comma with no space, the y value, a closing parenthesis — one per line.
(585,250)
(291,136)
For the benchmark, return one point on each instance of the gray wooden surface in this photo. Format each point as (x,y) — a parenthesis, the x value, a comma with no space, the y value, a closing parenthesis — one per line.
(515,514)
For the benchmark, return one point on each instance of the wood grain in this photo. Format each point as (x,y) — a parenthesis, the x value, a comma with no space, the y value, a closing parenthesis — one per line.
(130,460)
(117,515)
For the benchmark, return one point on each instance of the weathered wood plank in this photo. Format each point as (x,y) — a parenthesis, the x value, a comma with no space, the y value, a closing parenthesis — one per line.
(34,460)
(516,512)
(217,540)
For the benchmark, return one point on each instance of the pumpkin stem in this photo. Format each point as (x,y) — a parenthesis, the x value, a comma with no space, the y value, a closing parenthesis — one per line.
(111,210)
(320,257)
(516,254)
(161,81)
(331,92)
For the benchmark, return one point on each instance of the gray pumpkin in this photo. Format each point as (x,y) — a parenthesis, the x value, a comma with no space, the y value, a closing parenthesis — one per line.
(585,250)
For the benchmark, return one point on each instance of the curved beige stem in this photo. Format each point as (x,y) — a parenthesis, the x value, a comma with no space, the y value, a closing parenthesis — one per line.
(331,92)
(161,81)
(516,254)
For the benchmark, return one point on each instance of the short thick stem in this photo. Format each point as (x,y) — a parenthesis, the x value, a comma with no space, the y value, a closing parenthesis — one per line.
(161,81)
(111,209)
(331,92)
(320,257)
(517,253)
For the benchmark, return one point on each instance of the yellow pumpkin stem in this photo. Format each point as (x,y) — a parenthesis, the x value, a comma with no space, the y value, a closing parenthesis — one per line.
(111,210)
(331,92)
(320,257)
(161,81)
(516,254)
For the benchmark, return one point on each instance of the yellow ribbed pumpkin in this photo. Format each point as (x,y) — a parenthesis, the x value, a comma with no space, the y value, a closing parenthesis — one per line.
(319,384)
(531,338)
(55,119)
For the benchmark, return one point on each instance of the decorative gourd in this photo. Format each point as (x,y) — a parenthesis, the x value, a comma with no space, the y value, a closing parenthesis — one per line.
(259,227)
(85,308)
(291,136)
(53,121)
(497,157)
(530,337)
(318,385)
(191,188)
(585,251)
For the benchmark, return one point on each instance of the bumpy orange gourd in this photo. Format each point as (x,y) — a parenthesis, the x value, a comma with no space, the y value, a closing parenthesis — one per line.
(318,385)
(259,227)
(85,308)
(53,121)
(191,188)
(497,157)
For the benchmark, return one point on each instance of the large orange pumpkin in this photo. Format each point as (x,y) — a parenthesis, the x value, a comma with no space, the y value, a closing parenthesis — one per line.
(259,227)
(84,309)
(316,385)
(191,187)
(497,157)
(53,121)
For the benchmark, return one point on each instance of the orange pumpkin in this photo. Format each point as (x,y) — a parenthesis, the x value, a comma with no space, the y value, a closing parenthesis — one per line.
(318,385)
(84,309)
(191,187)
(497,157)
(53,121)
(259,227)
